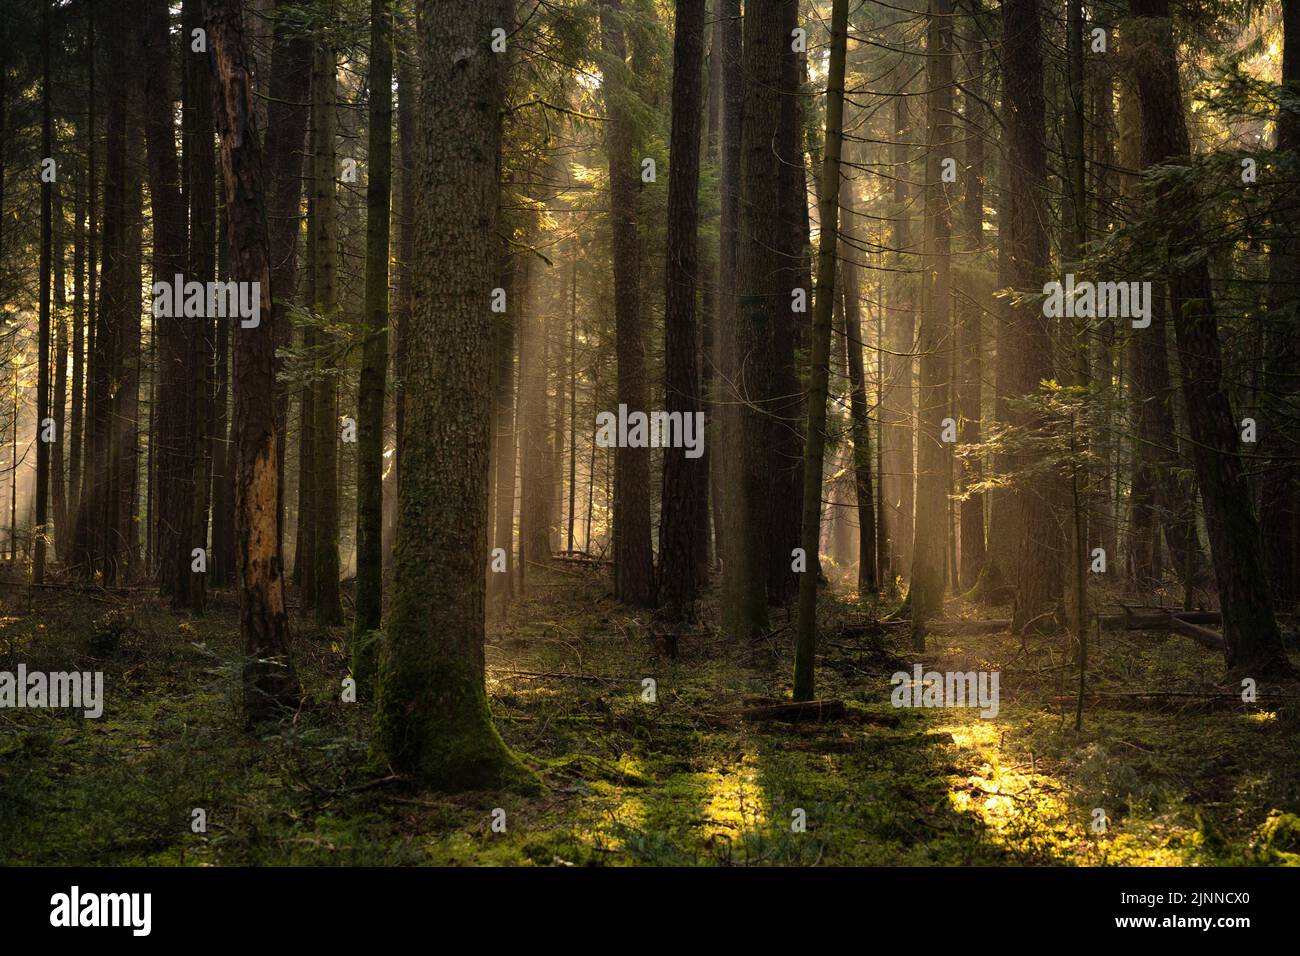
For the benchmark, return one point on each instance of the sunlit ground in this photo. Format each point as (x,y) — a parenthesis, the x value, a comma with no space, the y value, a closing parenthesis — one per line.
(682,780)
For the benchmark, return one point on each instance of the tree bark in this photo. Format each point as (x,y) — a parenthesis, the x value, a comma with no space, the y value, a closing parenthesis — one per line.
(431,717)
(270,685)
(805,687)
(926,590)
(1253,642)
(1038,548)
(683,502)
(324,239)
(633,558)
(759,300)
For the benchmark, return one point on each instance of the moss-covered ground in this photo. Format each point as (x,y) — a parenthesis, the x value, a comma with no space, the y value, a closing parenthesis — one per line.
(681,780)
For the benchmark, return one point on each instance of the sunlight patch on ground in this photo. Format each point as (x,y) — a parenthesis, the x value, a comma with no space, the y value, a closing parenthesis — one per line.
(734,803)
(1024,811)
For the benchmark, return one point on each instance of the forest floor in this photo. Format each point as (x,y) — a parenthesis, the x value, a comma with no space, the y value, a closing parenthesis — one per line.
(680,780)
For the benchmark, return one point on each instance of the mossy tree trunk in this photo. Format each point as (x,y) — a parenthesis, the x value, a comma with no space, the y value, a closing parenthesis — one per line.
(431,719)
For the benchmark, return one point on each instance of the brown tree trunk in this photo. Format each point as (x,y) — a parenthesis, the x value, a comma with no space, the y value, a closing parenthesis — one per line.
(432,719)
(43,342)
(786,407)
(175,430)
(324,240)
(1252,639)
(971,305)
(513,277)
(683,502)
(726,413)
(897,403)
(759,300)
(1036,562)
(1280,442)
(270,685)
(926,590)
(633,558)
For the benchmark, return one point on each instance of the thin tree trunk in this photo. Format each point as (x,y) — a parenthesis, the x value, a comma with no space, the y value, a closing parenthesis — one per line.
(815,444)
(970,312)
(933,341)
(325,450)
(374,356)
(201,176)
(43,345)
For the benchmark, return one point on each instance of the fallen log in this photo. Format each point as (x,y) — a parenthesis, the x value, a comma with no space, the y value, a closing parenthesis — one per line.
(796,710)
(1127,621)
(1133,621)
(817,710)
(1183,700)
(1201,635)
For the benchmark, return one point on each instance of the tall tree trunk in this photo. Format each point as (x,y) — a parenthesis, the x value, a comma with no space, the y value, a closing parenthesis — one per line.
(407,96)
(1035,564)
(726,414)
(868,582)
(785,441)
(815,439)
(79,262)
(175,430)
(431,718)
(759,300)
(514,280)
(325,450)
(201,177)
(683,502)
(270,685)
(897,404)
(374,355)
(970,316)
(43,345)
(534,493)
(59,361)
(1253,642)
(1280,441)
(925,593)
(286,131)
(83,523)
(633,557)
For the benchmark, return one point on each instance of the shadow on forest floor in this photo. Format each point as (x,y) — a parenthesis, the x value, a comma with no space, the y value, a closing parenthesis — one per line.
(680,780)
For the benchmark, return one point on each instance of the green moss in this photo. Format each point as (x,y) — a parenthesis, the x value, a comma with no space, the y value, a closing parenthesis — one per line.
(432,722)
(682,781)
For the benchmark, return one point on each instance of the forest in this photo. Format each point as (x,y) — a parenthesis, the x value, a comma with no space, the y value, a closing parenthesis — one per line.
(655,433)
